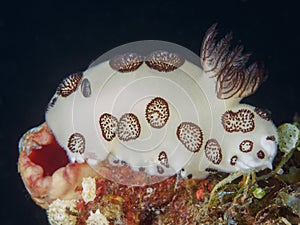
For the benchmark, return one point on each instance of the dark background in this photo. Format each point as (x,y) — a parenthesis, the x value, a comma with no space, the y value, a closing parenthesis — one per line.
(40,43)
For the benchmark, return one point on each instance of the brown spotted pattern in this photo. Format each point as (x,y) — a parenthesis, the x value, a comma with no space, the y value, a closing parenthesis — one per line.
(233,160)
(190,135)
(157,112)
(213,151)
(127,62)
(51,103)
(69,84)
(76,143)
(108,125)
(164,61)
(271,138)
(163,159)
(246,146)
(129,127)
(211,170)
(142,169)
(260,154)
(240,121)
(263,113)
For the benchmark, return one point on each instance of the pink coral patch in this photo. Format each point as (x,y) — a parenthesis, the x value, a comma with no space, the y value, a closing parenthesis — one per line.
(47,173)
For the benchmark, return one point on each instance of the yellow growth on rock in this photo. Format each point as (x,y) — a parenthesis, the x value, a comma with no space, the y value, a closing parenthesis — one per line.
(61,212)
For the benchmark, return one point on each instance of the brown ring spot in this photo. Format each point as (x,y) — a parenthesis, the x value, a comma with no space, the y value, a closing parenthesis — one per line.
(190,135)
(163,159)
(127,62)
(157,112)
(213,151)
(69,84)
(108,125)
(263,113)
(233,160)
(129,127)
(260,154)
(164,61)
(246,146)
(76,143)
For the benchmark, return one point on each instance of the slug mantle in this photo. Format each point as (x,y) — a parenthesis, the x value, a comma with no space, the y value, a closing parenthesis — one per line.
(161,110)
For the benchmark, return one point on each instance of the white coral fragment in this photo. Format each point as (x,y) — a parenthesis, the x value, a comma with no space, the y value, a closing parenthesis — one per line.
(97,218)
(88,189)
(61,212)
(289,135)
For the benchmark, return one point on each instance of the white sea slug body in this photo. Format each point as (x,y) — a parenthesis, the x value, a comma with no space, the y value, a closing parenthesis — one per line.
(161,113)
